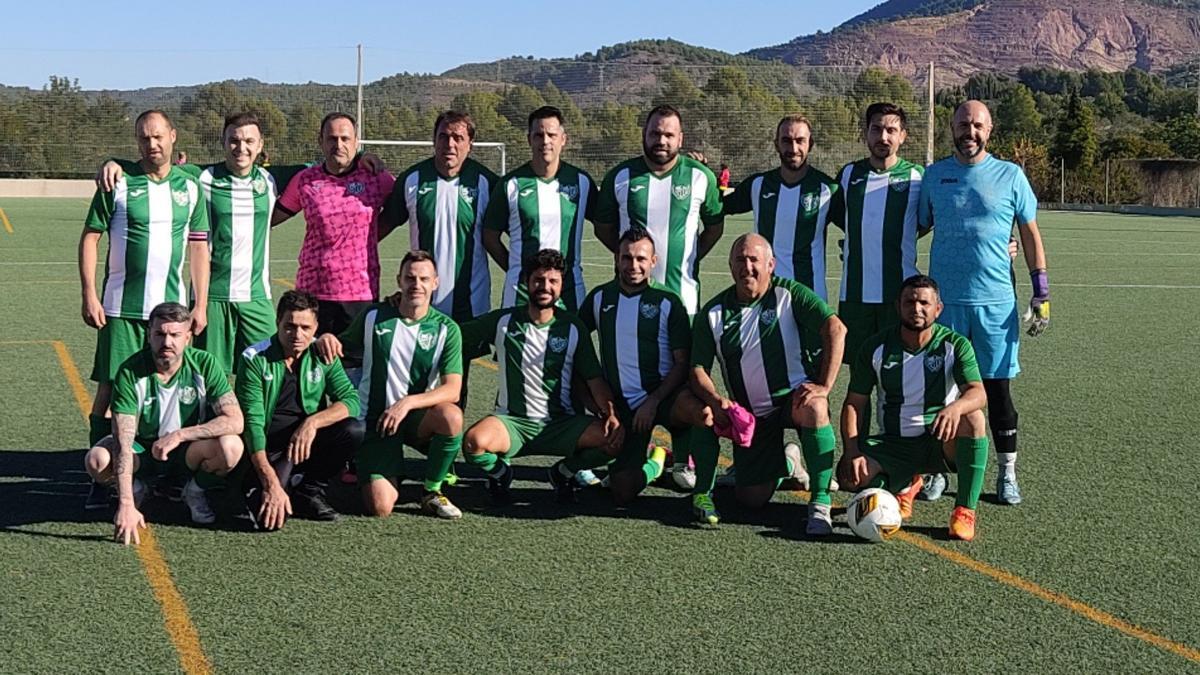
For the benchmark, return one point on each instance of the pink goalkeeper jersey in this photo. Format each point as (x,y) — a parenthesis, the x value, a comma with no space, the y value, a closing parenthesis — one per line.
(339,259)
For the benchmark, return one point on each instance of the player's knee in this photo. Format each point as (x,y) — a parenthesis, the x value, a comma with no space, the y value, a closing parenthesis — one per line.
(379,498)
(973,425)
(812,413)
(97,461)
(447,419)
(472,443)
(230,451)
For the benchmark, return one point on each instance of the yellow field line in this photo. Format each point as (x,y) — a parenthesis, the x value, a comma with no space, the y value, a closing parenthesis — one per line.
(286,283)
(178,622)
(7,225)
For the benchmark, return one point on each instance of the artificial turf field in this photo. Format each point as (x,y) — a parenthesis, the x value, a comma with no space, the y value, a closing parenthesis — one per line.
(1096,571)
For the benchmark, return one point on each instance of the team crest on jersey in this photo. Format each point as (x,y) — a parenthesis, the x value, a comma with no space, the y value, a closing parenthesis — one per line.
(356,188)
(468,193)
(314,375)
(767,317)
(898,183)
(682,192)
(649,311)
(570,192)
(180,197)
(187,395)
(558,345)
(934,362)
(425,340)
(810,202)
(259,185)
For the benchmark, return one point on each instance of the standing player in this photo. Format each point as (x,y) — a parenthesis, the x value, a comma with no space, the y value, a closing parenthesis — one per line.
(757,329)
(162,396)
(675,198)
(412,374)
(542,351)
(645,346)
(341,199)
(970,201)
(151,216)
(931,401)
(540,205)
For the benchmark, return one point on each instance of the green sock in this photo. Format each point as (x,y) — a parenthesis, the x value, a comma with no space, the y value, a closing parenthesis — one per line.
(705,450)
(208,480)
(681,445)
(790,469)
(486,461)
(586,458)
(971,456)
(98,427)
(818,446)
(442,451)
(652,469)
(879,481)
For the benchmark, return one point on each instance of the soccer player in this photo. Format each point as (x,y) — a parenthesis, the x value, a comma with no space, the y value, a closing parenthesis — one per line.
(153,216)
(540,205)
(757,329)
(444,199)
(970,201)
(931,401)
(645,346)
(341,199)
(301,417)
(793,206)
(162,399)
(675,198)
(542,351)
(412,373)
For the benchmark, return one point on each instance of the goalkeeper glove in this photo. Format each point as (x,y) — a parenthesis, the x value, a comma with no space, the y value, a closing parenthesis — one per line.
(1038,315)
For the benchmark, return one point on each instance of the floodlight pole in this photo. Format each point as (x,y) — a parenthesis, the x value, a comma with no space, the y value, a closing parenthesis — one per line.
(929,122)
(359,116)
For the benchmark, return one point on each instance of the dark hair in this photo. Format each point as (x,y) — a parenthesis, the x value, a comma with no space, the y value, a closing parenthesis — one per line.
(544,113)
(635,234)
(169,312)
(417,255)
(545,259)
(796,119)
(338,116)
(663,110)
(296,301)
(243,119)
(884,109)
(454,117)
(154,111)
(920,281)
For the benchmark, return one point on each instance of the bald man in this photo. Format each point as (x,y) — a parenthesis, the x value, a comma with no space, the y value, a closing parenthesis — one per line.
(757,328)
(970,200)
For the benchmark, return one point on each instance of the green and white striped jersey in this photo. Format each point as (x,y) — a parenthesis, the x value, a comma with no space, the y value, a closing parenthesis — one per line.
(538,214)
(239,214)
(401,357)
(537,362)
(638,334)
(794,219)
(881,229)
(913,386)
(163,407)
(760,345)
(445,217)
(673,207)
(148,223)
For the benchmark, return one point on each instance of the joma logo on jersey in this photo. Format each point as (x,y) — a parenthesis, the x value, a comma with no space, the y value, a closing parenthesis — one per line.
(468,193)
(681,192)
(558,345)
(898,183)
(637,188)
(934,362)
(570,192)
(180,197)
(810,202)
(356,188)
(259,185)
(649,311)
(769,195)
(526,192)
(425,340)
(767,317)
(187,395)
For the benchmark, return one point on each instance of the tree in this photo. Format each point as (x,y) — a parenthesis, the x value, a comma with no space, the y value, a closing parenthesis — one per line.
(987,86)
(1076,139)
(1017,115)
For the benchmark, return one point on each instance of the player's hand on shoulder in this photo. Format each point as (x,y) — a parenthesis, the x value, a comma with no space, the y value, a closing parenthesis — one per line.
(328,348)
(372,162)
(108,175)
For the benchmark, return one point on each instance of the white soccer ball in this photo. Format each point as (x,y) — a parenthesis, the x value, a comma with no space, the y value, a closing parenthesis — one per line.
(873,514)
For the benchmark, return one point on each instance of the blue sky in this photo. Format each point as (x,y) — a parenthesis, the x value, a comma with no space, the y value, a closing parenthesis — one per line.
(120,45)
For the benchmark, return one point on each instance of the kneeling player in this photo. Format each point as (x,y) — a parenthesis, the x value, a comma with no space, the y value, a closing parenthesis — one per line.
(411,379)
(161,397)
(302,421)
(757,328)
(931,402)
(540,350)
(645,346)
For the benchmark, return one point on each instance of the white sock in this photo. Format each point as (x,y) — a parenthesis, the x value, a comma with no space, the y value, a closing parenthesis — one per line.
(1008,464)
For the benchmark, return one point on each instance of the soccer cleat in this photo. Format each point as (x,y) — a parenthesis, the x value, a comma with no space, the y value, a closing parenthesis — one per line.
(499,484)
(1007,491)
(935,485)
(563,482)
(436,504)
(197,502)
(798,479)
(99,496)
(704,510)
(684,476)
(312,505)
(906,496)
(586,478)
(962,523)
(820,523)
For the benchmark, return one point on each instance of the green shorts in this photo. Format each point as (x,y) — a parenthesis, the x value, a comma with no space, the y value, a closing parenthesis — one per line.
(116,342)
(382,457)
(902,458)
(763,462)
(864,319)
(558,437)
(234,326)
(633,453)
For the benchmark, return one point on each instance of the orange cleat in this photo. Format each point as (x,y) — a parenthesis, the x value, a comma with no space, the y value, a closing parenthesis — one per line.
(907,495)
(962,523)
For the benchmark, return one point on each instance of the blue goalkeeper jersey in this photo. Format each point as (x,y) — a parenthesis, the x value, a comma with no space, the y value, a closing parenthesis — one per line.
(971,208)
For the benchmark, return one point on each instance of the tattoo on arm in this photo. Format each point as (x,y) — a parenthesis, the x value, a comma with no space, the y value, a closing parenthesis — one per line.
(126,430)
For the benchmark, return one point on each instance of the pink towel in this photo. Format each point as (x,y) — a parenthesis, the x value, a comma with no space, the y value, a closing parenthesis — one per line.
(741,426)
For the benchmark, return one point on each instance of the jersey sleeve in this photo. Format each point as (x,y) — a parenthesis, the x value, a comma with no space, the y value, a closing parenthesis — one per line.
(339,388)
(837,206)
(216,383)
(396,206)
(124,392)
(1024,200)
(386,183)
(679,335)
(452,351)
(587,309)
(100,212)
(283,175)
(477,334)
(586,363)
(593,197)
(809,309)
(710,210)
(198,223)
(738,201)
(606,210)
(289,200)
(862,371)
(704,348)
(496,216)
(352,336)
(192,170)
(966,367)
(249,389)
(924,206)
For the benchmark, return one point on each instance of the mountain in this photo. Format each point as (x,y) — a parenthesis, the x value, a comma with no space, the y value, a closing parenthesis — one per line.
(962,37)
